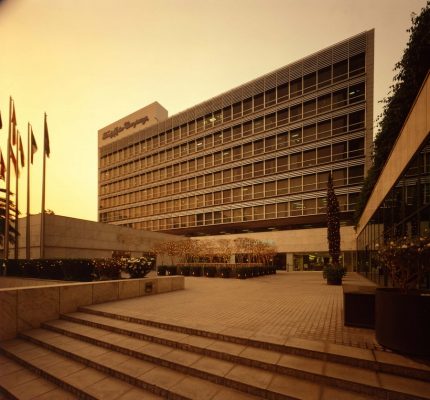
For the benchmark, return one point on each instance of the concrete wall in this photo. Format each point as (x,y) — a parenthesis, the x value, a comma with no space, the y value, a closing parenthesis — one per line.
(413,134)
(67,237)
(28,307)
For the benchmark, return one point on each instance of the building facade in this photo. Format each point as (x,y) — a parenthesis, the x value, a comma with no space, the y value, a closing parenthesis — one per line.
(254,159)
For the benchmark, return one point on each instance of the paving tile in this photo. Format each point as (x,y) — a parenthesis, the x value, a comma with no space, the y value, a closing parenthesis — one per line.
(137,394)
(198,341)
(63,368)
(134,367)
(33,388)
(301,363)
(162,377)
(330,393)
(266,337)
(226,347)
(306,344)
(267,356)
(156,350)
(231,394)
(108,388)
(406,385)
(182,357)
(9,366)
(397,359)
(251,376)
(349,351)
(56,394)
(194,388)
(131,343)
(111,358)
(360,375)
(213,366)
(297,388)
(84,377)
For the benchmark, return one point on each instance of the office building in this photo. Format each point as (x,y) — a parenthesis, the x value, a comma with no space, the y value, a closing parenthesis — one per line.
(252,160)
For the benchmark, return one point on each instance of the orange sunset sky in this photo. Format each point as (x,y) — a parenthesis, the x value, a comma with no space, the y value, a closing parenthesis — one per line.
(87,63)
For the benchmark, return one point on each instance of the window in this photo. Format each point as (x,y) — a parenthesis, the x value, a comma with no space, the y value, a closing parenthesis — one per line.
(227,135)
(282,164)
(192,165)
(259,102)
(237,215)
(322,179)
(356,64)
(237,153)
(247,171)
(340,125)
(200,124)
(356,93)
(342,199)
(356,174)
(324,129)
(217,217)
(296,112)
(237,194)
(309,207)
(247,128)
(282,210)
(217,178)
(237,110)
(226,196)
(270,121)
(226,156)
(208,180)
(237,132)
(282,117)
(226,216)
(258,212)
(270,189)
(270,211)
(226,113)
(309,182)
(270,166)
(199,219)
(217,158)
(296,87)
(321,205)
(237,174)
(356,147)
(258,125)
(309,82)
(282,187)
(324,154)
(226,176)
(208,199)
(247,150)
(283,92)
(296,208)
(270,97)
(217,117)
(296,160)
(296,136)
(247,192)
(339,98)
(309,158)
(339,177)
(258,191)
(309,108)
(247,106)
(208,218)
(282,140)
(208,141)
(324,76)
(247,214)
(324,103)
(309,133)
(356,120)
(296,184)
(340,71)
(258,147)
(339,151)
(200,182)
(269,143)
(258,169)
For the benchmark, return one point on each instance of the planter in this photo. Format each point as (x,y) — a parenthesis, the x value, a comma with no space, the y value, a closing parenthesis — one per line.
(402,320)
(334,280)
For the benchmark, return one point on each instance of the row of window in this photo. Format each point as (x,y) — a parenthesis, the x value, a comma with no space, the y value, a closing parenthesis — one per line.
(304,183)
(310,108)
(306,134)
(268,211)
(303,159)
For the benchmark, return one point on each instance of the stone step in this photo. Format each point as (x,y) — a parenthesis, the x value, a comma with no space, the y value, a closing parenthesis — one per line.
(192,355)
(18,382)
(138,371)
(64,377)
(379,361)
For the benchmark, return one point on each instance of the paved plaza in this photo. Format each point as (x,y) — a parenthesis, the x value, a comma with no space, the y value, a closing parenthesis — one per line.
(285,305)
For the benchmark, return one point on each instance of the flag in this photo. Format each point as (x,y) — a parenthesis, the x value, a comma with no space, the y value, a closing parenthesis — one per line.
(13,121)
(33,146)
(2,167)
(21,152)
(46,135)
(13,159)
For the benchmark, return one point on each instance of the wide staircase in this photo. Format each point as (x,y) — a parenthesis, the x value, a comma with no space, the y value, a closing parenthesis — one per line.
(93,354)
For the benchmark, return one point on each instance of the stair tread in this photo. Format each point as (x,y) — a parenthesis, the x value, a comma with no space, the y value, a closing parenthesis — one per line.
(339,371)
(25,384)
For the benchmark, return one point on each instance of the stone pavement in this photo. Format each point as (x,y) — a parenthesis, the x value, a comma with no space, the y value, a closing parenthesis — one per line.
(288,304)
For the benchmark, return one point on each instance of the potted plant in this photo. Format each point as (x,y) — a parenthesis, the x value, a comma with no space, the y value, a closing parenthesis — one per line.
(402,312)
(333,274)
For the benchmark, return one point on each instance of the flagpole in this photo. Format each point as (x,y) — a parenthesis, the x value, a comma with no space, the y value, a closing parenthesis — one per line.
(27,227)
(6,216)
(42,214)
(16,195)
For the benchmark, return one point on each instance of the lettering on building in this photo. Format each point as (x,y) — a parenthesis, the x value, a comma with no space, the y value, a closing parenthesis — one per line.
(116,131)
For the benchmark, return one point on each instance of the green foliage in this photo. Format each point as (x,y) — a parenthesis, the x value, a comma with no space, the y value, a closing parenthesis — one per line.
(333,272)
(411,71)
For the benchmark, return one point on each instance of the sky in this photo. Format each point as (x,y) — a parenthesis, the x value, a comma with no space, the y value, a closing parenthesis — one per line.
(88,63)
